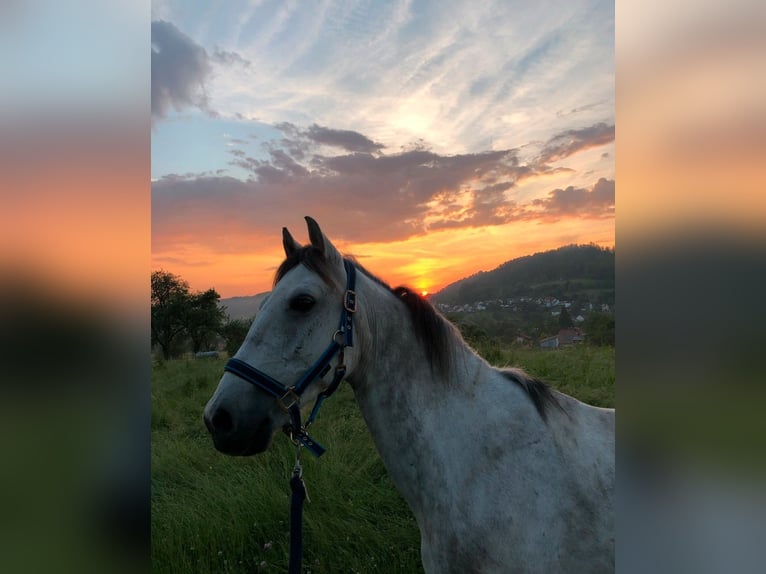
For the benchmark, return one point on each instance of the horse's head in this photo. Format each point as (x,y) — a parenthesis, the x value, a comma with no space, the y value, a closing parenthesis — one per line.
(293,329)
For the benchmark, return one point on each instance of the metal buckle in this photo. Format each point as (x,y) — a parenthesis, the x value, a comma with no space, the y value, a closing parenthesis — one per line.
(349,301)
(294,400)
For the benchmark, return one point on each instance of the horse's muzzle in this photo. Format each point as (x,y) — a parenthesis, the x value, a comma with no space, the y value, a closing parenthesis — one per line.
(230,438)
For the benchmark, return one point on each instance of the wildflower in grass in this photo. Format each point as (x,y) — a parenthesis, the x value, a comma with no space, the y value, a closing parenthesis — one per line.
(267,546)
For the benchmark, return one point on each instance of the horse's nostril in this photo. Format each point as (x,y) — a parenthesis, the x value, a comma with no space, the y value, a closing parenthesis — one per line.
(221,421)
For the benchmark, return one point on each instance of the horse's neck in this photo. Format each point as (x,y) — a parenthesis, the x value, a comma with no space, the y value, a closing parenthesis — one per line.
(418,419)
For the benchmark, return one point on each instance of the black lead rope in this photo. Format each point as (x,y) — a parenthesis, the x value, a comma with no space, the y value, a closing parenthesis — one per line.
(297,496)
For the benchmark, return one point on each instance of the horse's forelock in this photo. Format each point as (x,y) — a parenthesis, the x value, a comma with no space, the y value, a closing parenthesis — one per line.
(309,256)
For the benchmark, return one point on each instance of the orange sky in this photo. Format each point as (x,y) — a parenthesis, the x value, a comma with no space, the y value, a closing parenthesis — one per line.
(427,263)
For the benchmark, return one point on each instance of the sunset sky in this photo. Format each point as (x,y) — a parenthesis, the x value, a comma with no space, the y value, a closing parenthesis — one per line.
(429,139)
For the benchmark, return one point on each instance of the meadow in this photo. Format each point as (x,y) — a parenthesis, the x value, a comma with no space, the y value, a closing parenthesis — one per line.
(219,514)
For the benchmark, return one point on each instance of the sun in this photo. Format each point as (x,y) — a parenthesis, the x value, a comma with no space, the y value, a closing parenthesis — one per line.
(424,293)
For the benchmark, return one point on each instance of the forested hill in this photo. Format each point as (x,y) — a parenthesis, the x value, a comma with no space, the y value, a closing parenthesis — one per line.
(563,273)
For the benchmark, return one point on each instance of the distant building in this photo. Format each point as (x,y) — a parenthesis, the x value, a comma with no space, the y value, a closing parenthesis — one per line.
(568,337)
(550,342)
(564,338)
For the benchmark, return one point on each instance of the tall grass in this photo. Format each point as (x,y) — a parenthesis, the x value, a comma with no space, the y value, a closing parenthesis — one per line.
(584,372)
(214,513)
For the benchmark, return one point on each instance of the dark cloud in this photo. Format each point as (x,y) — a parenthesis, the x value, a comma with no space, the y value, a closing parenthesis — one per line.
(572,141)
(281,161)
(576,202)
(301,141)
(345,139)
(180,68)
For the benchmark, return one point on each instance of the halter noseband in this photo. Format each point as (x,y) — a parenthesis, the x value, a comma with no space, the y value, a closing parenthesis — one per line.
(289,398)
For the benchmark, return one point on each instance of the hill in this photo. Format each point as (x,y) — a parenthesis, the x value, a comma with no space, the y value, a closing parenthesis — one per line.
(243,307)
(572,271)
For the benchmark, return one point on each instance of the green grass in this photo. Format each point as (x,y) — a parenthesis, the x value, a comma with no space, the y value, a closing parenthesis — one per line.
(584,372)
(214,513)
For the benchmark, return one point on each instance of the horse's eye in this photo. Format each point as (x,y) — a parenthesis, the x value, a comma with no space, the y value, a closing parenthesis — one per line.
(302,303)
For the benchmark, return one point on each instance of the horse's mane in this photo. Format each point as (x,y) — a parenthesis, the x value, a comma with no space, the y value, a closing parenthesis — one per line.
(437,335)
(539,391)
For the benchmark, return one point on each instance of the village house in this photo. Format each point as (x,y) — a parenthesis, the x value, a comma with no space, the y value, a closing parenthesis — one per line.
(564,338)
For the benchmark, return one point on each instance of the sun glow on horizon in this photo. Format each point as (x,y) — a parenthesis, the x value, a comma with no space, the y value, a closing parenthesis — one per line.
(425,263)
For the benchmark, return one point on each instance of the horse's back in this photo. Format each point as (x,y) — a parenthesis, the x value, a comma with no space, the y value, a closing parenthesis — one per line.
(534,494)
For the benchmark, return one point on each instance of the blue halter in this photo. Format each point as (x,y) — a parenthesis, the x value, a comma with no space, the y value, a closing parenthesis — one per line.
(289,398)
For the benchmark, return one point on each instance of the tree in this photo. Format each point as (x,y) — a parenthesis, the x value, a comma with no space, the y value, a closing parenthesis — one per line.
(203,318)
(599,329)
(565,320)
(170,296)
(234,332)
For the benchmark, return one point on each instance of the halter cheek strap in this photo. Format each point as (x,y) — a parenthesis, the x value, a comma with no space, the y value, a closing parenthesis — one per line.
(289,398)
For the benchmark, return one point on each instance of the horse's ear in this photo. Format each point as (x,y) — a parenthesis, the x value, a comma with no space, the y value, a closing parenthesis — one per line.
(320,241)
(290,245)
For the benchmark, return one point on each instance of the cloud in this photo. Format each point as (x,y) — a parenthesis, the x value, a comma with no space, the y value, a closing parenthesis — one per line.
(580,109)
(346,139)
(300,141)
(576,202)
(488,206)
(361,196)
(570,142)
(180,68)
(229,58)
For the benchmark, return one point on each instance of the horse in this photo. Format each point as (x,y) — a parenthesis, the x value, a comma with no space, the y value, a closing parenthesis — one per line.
(502,472)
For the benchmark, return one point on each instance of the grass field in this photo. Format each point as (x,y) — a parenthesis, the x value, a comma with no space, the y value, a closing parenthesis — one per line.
(214,513)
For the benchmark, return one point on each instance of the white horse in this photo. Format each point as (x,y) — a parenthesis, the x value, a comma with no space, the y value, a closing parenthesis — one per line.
(502,473)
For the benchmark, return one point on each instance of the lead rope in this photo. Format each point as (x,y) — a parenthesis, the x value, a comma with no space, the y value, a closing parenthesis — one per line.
(298,492)
(297,496)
